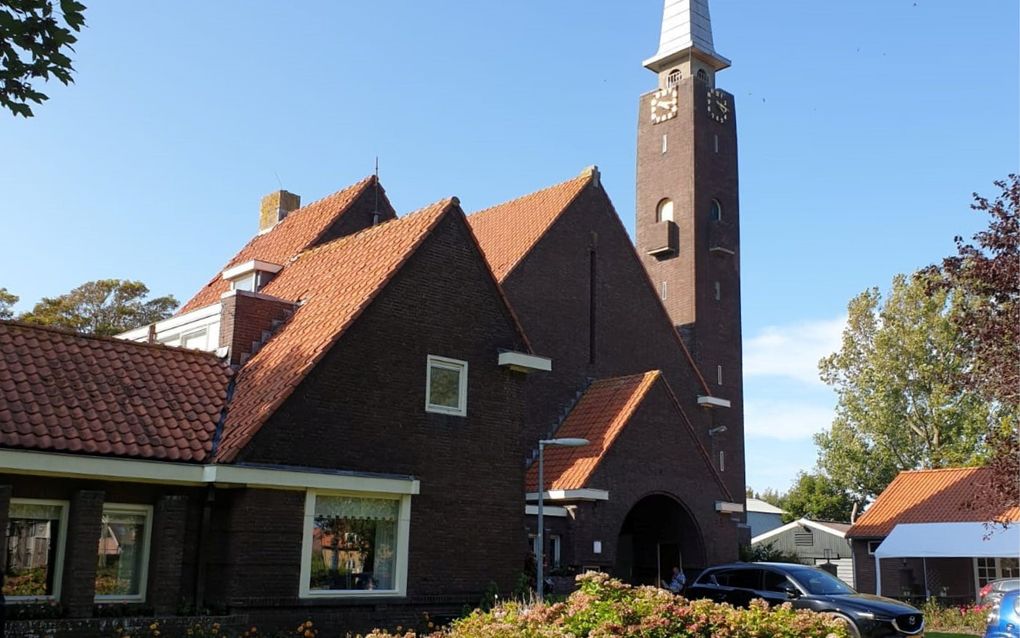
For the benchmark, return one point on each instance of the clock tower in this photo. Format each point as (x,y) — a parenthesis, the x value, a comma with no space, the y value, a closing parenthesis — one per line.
(688,217)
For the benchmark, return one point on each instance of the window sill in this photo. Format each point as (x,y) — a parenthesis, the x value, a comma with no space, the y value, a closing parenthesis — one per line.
(435,409)
(355,594)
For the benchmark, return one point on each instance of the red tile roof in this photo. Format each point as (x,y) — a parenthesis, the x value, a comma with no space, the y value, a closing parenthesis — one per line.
(509,231)
(66,392)
(299,230)
(952,495)
(600,416)
(334,282)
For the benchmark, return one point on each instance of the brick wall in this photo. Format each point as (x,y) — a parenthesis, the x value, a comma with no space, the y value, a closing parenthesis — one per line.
(244,316)
(362,409)
(84,519)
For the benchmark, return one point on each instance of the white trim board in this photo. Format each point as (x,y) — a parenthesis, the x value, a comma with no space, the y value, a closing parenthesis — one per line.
(117,469)
(801,522)
(584,494)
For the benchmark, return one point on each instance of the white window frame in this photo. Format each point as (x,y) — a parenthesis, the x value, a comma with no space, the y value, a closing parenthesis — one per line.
(400,564)
(996,573)
(146,547)
(58,569)
(449,364)
(871,550)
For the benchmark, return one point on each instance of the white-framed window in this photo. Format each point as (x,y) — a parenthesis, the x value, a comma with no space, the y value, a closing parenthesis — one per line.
(446,386)
(122,556)
(36,535)
(872,547)
(988,569)
(673,78)
(355,544)
(554,543)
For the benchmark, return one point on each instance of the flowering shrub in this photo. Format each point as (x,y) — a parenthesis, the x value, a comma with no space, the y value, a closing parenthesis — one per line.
(603,607)
(969,619)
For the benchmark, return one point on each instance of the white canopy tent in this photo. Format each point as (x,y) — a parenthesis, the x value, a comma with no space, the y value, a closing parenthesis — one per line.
(946,540)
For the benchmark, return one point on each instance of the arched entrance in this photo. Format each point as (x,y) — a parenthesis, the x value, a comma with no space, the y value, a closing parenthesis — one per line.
(657,534)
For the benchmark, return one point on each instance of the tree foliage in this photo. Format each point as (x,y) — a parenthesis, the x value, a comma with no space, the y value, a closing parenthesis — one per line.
(7,300)
(900,405)
(35,38)
(104,307)
(817,497)
(986,276)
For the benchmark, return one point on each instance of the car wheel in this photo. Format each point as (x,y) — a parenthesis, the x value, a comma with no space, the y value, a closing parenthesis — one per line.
(851,628)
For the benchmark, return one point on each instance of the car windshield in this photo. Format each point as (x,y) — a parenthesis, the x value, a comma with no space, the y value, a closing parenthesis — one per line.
(819,582)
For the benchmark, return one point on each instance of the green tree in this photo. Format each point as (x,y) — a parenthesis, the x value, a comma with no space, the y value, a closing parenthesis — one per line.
(35,38)
(899,402)
(6,301)
(104,307)
(817,497)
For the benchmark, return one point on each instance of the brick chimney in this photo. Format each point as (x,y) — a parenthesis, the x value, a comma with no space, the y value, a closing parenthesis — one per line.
(276,206)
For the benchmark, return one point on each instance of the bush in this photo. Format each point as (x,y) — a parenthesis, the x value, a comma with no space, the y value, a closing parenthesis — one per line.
(969,619)
(603,607)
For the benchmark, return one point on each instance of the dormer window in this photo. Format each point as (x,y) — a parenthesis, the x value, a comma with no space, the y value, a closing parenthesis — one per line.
(673,78)
(251,276)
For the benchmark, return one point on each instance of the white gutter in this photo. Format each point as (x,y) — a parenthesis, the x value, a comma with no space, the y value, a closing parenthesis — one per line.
(170,473)
(585,494)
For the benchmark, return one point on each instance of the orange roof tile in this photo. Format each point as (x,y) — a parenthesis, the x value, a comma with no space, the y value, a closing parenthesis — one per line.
(298,230)
(951,495)
(334,282)
(66,392)
(509,231)
(600,416)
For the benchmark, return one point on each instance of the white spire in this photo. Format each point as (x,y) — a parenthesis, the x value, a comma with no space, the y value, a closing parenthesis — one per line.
(686,30)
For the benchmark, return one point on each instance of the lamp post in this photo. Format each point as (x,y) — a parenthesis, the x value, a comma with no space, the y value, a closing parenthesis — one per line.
(539,557)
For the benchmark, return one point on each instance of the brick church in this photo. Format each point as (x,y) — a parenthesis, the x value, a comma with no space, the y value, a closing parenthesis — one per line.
(344,422)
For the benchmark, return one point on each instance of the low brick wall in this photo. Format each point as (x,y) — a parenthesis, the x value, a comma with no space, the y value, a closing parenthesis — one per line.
(169,626)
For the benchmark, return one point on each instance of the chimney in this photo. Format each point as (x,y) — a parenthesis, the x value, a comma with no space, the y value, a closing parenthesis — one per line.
(276,206)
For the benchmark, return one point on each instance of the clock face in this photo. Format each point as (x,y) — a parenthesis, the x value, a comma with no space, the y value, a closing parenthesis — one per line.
(664,105)
(718,106)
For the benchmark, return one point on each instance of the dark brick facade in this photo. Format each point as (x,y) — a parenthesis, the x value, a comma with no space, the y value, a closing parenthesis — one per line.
(247,319)
(699,283)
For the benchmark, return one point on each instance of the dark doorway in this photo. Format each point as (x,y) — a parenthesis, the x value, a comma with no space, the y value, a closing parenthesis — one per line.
(657,535)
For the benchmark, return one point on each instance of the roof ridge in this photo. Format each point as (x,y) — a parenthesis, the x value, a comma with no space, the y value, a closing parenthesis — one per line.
(68,332)
(585,175)
(365,232)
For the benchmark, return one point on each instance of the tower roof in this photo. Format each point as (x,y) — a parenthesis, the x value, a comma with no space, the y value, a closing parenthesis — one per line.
(686,29)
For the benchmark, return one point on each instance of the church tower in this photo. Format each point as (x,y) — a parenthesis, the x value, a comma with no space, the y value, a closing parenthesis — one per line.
(688,217)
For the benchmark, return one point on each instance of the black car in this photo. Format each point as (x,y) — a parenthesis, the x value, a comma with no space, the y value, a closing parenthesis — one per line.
(805,587)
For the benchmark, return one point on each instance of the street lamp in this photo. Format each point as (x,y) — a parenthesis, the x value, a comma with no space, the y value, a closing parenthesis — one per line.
(540,584)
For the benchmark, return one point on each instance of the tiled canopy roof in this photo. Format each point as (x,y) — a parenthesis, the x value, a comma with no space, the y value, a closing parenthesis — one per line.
(298,230)
(600,416)
(509,231)
(65,392)
(334,282)
(952,495)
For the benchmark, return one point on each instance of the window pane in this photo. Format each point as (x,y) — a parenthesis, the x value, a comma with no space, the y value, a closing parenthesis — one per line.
(444,388)
(120,556)
(32,541)
(354,543)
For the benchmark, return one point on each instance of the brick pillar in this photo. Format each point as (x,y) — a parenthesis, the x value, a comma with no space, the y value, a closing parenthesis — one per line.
(167,554)
(78,584)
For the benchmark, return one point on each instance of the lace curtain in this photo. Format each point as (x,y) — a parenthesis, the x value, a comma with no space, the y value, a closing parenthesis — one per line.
(378,509)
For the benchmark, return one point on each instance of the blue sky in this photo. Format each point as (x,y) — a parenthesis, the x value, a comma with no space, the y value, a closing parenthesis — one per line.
(864,127)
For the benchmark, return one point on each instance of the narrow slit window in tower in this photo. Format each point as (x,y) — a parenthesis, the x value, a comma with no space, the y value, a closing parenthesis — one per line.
(664,211)
(718,291)
(665,144)
(715,137)
(664,291)
(592,279)
(718,375)
(716,214)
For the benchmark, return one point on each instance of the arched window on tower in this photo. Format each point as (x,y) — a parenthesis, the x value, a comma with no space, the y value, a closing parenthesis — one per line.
(673,78)
(716,212)
(702,75)
(664,211)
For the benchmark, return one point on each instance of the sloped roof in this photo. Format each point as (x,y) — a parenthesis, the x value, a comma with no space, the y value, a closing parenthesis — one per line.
(298,230)
(334,283)
(65,392)
(600,415)
(507,232)
(951,495)
(762,507)
(828,527)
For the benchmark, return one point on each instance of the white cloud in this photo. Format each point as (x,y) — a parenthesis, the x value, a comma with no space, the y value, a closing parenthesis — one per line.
(793,350)
(785,421)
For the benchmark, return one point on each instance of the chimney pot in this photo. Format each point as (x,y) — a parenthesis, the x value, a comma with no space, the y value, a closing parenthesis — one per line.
(276,206)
